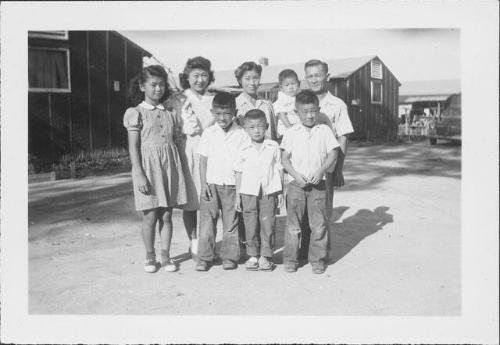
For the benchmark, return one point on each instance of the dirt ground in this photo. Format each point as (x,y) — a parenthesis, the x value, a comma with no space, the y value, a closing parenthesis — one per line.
(395,248)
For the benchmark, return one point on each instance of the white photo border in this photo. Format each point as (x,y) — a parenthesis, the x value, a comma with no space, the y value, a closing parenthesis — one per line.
(478,24)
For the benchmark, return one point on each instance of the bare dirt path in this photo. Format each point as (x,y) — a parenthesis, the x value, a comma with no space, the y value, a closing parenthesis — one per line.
(395,248)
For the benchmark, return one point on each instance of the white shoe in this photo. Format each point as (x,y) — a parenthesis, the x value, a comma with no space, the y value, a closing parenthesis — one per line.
(169,265)
(150,266)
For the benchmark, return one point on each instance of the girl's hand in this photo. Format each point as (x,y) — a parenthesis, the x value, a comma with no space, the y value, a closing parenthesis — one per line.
(238,205)
(142,184)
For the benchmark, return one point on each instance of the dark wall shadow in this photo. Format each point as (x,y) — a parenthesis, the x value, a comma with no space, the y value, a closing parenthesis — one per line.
(346,235)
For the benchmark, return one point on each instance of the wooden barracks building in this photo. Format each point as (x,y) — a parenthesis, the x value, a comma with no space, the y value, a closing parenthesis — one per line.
(77,95)
(365,84)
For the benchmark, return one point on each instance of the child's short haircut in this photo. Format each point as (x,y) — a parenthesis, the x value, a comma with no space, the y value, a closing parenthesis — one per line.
(255,114)
(287,73)
(245,67)
(306,97)
(315,62)
(224,100)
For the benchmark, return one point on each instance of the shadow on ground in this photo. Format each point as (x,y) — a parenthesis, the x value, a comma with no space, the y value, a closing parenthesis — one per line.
(57,208)
(370,166)
(344,236)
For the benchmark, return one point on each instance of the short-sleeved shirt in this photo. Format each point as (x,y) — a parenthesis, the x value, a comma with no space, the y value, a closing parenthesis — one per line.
(308,149)
(336,111)
(221,149)
(243,105)
(260,168)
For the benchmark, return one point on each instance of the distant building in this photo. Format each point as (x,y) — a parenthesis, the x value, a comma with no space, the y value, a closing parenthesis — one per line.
(77,95)
(425,98)
(365,84)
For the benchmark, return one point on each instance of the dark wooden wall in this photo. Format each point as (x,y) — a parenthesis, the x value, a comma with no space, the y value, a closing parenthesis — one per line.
(90,116)
(370,121)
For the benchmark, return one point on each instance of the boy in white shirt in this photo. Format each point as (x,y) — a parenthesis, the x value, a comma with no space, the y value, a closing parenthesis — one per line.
(258,190)
(309,149)
(284,106)
(218,147)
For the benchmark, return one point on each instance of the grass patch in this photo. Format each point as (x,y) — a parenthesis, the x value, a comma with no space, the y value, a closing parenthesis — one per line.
(83,163)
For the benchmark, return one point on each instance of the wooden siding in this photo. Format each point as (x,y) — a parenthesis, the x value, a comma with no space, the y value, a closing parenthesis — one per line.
(370,121)
(90,117)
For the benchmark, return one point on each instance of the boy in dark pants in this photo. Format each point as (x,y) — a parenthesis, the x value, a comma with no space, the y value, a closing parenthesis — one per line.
(218,147)
(309,149)
(259,181)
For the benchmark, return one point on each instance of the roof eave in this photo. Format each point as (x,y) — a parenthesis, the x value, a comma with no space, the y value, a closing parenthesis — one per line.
(146,53)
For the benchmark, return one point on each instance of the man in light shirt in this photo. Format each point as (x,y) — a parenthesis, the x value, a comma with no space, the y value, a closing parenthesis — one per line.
(218,146)
(309,149)
(337,117)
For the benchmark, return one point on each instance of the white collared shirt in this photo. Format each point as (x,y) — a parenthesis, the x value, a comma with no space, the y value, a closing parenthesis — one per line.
(336,111)
(196,114)
(221,148)
(148,106)
(260,168)
(243,105)
(308,149)
(285,104)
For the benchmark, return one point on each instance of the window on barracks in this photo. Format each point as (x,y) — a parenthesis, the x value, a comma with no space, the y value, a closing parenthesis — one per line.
(376,92)
(376,69)
(48,70)
(54,34)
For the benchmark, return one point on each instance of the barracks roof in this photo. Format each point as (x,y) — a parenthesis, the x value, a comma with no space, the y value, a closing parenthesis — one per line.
(338,68)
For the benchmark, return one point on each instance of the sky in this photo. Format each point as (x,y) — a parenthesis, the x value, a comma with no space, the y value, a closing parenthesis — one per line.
(411,54)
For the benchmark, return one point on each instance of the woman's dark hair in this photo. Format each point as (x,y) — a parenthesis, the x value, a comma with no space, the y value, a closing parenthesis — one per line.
(198,62)
(135,95)
(245,67)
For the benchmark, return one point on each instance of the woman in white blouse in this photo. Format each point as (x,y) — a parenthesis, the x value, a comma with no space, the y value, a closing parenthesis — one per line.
(195,105)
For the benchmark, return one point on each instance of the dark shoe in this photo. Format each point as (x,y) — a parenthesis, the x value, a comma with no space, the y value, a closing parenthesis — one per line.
(202,266)
(318,268)
(229,265)
(290,267)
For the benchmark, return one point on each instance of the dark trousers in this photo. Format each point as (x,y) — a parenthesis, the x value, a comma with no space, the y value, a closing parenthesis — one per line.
(223,199)
(312,200)
(259,214)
